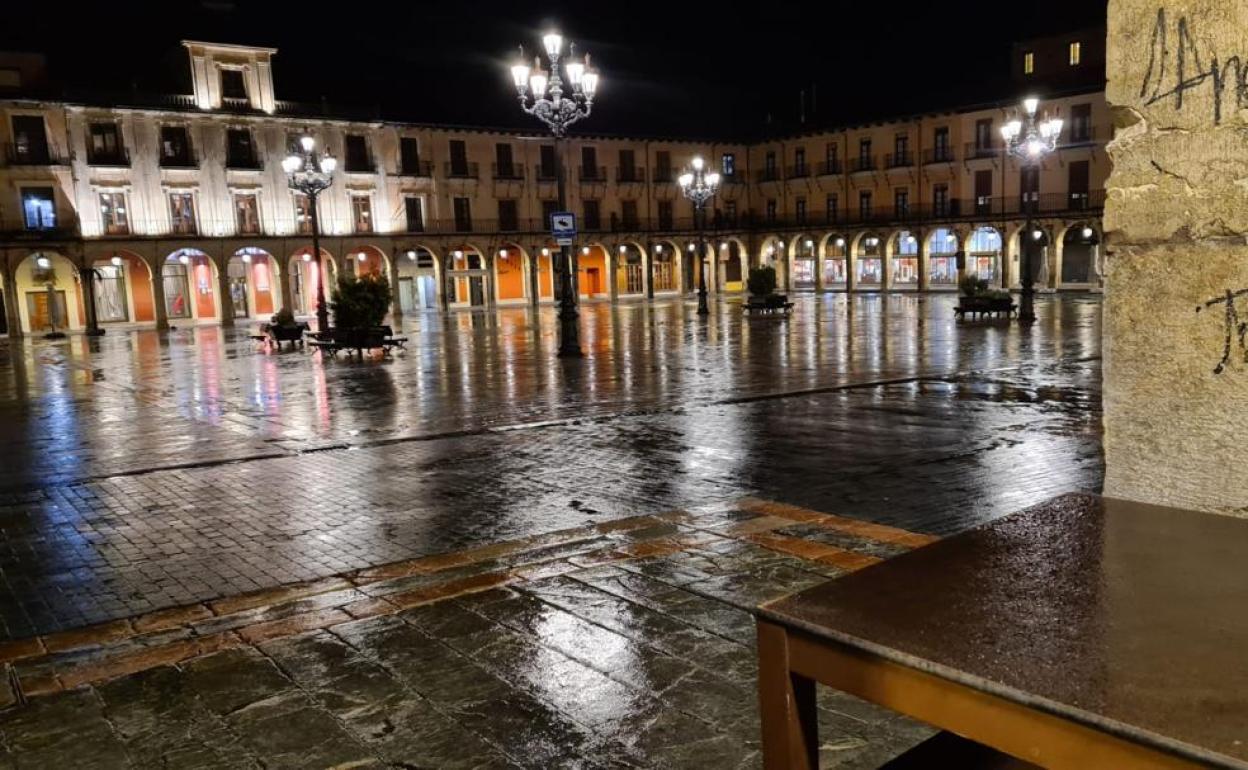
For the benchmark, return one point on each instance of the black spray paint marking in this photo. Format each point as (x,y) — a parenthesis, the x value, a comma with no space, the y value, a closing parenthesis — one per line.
(1232,326)
(1189,72)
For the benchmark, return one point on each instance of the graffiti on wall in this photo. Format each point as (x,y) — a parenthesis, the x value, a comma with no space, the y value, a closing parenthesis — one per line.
(1235,330)
(1177,66)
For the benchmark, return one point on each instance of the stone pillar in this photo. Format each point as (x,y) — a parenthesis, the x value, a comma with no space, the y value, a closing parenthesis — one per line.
(396,299)
(225,304)
(284,284)
(12,313)
(158,297)
(647,259)
(925,258)
(1176,267)
(491,282)
(613,263)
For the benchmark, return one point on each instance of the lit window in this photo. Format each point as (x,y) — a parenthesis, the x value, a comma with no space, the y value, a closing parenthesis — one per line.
(1029,63)
(1076,53)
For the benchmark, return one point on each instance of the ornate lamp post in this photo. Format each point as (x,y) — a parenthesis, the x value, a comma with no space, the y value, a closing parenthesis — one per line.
(311,173)
(699,186)
(559,110)
(1030,140)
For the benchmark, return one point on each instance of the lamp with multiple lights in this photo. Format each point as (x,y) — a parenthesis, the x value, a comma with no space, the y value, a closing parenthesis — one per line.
(1030,139)
(542,94)
(311,172)
(700,186)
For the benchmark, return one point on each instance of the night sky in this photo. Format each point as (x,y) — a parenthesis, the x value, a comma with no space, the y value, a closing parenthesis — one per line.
(668,68)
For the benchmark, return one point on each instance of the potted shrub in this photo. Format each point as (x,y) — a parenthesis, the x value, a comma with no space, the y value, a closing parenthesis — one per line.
(978,298)
(761,284)
(360,304)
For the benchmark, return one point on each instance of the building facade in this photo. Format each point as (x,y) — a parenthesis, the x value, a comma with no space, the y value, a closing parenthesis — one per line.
(175,210)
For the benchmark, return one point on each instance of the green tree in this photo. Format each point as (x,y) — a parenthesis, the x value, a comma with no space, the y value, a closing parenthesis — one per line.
(762,281)
(360,303)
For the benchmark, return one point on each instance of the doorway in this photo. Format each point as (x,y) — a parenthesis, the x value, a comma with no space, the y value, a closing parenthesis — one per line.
(40,307)
(238,288)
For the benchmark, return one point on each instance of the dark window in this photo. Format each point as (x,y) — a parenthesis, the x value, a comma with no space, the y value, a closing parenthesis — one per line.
(831,154)
(357,159)
(628,213)
(983,192)
(105,147)
(983,135)
(507,217)
(628,166)
(1081,123)
(799,162)
(864,205)
(665,215)
(728,164)
(1029,188)
(593,216)
(463,215)
(799,207)
(864,152)
(901,150)
(589,163)
(730,213)
(38,208)
(1080,171)
(940,145)
(459,158)
(175,146)
(409,156)
(414,209)
(662,166)
(769,165)
(771,210)
(546,159)
(30,140)
(246,214)
(503,162)
(233,85)
(549,208)
(940,200)
(901,203)
(239,151)
(833,207)
(362,213)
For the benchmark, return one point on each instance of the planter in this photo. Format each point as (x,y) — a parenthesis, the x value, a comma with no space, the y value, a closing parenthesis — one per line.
(987,305)
(292,333)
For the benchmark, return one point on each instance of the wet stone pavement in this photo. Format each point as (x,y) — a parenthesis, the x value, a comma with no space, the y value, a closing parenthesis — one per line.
(476,555)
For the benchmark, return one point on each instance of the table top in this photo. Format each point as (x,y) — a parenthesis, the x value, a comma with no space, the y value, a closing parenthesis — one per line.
(1131,618)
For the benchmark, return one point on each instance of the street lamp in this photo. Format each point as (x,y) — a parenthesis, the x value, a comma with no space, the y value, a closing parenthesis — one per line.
(311,173)
(699,187)
(1030,140)
(558,111)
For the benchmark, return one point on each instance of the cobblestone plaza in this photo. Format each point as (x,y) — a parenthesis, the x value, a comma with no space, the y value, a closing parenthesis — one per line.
(474,554)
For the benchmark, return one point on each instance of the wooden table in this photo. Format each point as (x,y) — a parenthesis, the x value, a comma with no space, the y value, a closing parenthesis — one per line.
(1083,633)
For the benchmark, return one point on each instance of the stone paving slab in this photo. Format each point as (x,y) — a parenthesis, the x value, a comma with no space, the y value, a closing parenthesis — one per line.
(599,666)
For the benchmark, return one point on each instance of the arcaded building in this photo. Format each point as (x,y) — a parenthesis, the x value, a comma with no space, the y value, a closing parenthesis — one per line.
(179,207)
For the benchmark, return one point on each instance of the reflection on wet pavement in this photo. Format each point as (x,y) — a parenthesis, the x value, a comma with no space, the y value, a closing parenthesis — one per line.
(177,482)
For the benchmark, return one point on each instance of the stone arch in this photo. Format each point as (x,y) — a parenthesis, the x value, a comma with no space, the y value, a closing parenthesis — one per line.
(1077,255)
(418,271)
(1021,238)
(511,274)
(732,267)
(943,245)
(592,271)
(665,267)
(467,270)
(903,255)
(368,259)
(803,261)
(123,287)
(189,278)
(49,293)
(254,282)
(305,277)
(868,260)
(773,253)
(834,258)
(630,261)
(985,254)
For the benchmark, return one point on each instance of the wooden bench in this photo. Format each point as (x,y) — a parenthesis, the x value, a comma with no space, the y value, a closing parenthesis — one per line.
(768,307)
(1082,633)
(979,310)
(382,337)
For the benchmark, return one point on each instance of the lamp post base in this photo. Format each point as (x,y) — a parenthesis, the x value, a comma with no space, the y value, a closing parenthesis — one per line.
(703,308)
(96,332)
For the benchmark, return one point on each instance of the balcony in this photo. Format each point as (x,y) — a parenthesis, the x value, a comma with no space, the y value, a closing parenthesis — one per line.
(862,163)
(937,155)
(359,164)
(593,173)
(184,159)
(769,175)
(831,168)
(119,157)
(421,168)
(664,176)
(455,170)
(800,171)
(903,159)
(243,161)
(630,175)
(975,150)
(545,173)
(508,171)
(32,155)
(1079,136)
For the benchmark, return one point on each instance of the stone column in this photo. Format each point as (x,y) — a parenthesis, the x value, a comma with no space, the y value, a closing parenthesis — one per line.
(225,304)
(158,297)
(924,258)
(12,313)
(284,284)
(491,290)
(396,299)
(1176,267)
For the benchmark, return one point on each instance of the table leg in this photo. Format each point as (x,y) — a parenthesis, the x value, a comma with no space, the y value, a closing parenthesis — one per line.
(786,705)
